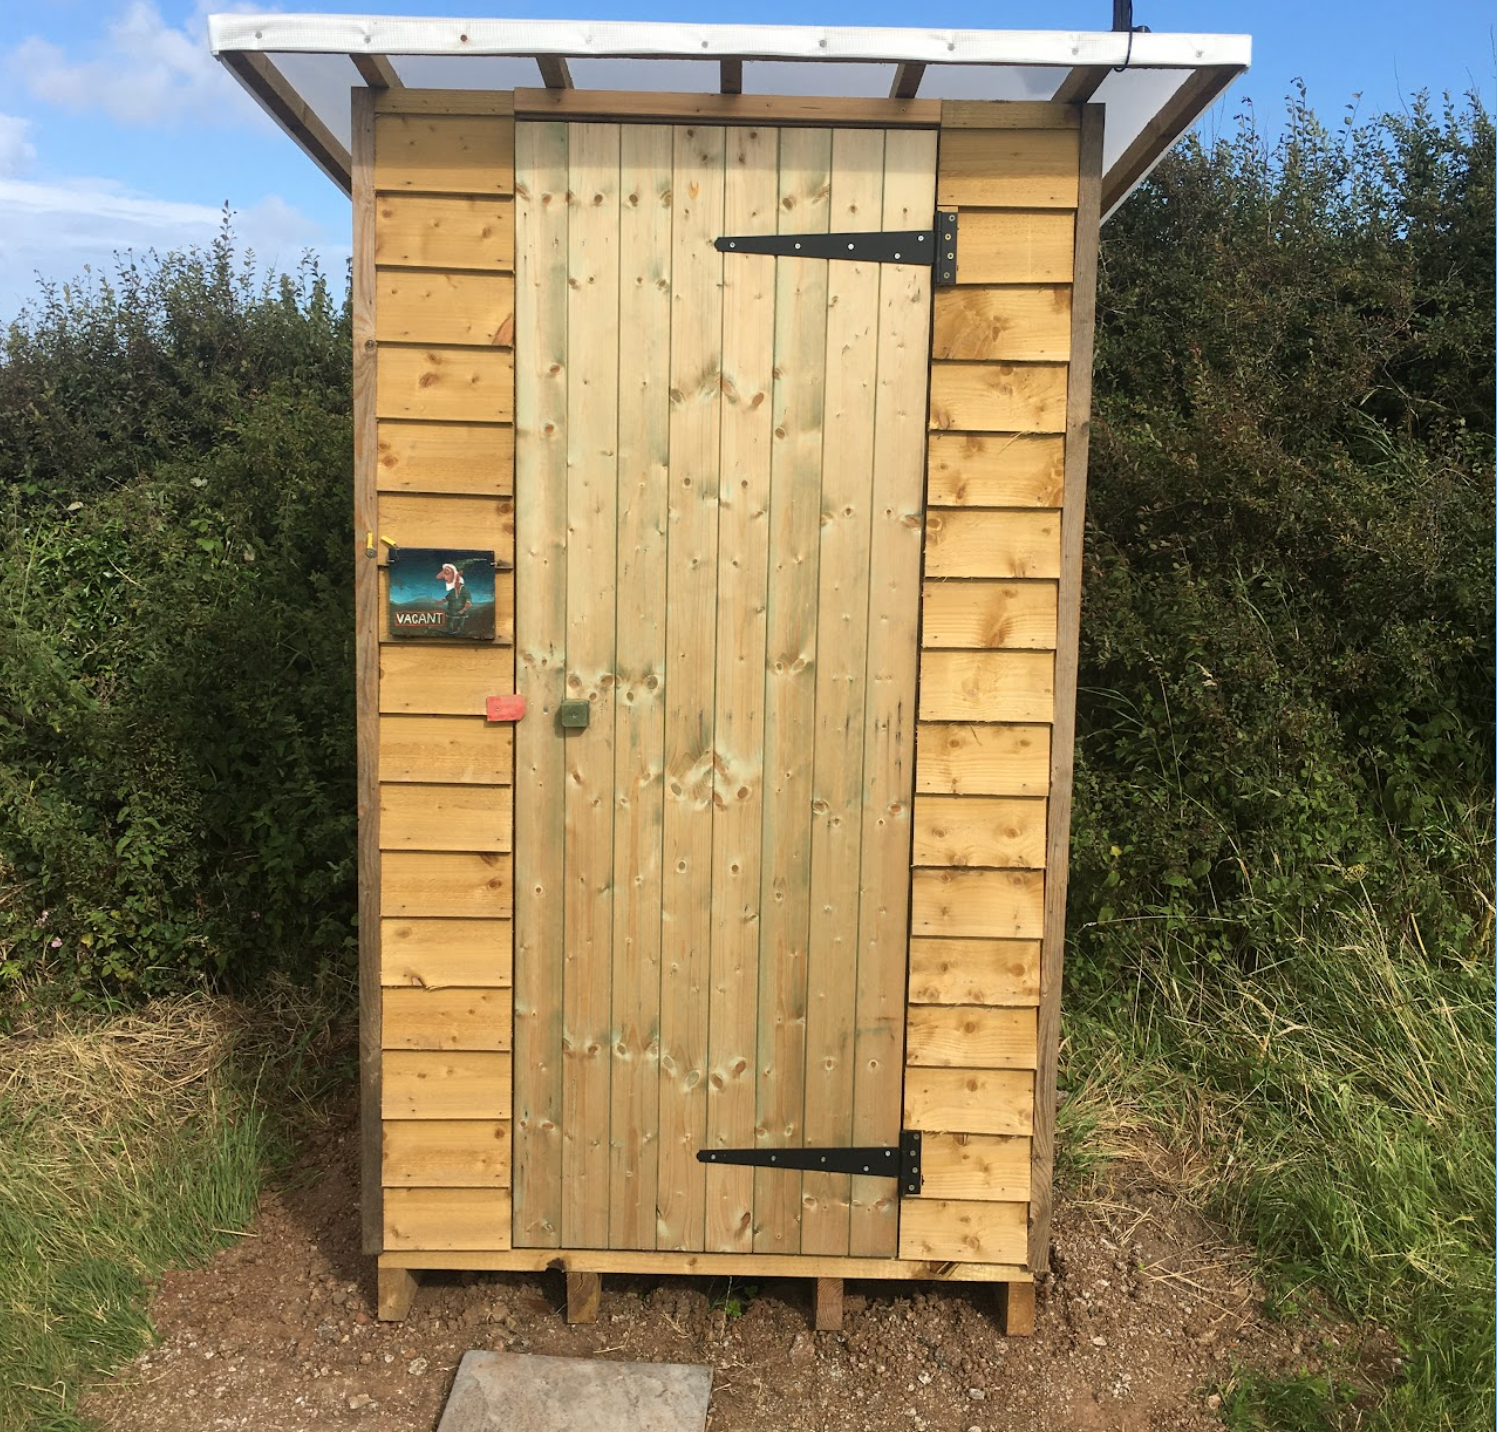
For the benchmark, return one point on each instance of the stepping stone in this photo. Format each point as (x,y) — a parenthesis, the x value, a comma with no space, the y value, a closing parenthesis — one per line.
(512,1392)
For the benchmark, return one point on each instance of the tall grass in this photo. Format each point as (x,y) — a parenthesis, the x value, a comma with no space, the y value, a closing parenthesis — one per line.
(134,1144)
(1337,1106)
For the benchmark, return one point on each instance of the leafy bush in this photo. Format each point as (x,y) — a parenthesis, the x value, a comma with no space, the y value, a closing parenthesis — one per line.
(176,757)
(1288,614)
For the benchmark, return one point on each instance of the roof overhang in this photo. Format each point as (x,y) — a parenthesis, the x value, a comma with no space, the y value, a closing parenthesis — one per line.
(300,69)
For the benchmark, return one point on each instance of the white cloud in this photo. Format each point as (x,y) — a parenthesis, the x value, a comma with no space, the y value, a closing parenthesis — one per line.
(53,230)
(16,151)
(146,71)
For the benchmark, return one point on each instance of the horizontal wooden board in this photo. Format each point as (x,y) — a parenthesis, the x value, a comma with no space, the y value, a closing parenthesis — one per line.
(458,749)
(422,1084)
(446,954)
(1011,324)
(991,615)
(992,904)
(672,1263)
(1008,114)
(448,1019)
(1001,831)
(424,231)
(975,760)
(966,971)
(977,542)
(987,686)
(446,1153)
(444,101)
(485,524)
(990,1167)
(995,470)
(504,613)
(440,153)
(1009,168)
(968,1101)
(1015,246)
(968,1037)
(967,1231)
(994,397)
(458,817)
(476,458)
(421,1218)
(426,306)
(445,883)
(586,104)
(443,680)
(460,384)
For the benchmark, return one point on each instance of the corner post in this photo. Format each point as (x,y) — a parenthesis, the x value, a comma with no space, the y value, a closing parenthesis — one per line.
(366,655)
(1068,636)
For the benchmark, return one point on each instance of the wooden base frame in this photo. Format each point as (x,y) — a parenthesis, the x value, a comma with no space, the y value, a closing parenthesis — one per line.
(400,1275)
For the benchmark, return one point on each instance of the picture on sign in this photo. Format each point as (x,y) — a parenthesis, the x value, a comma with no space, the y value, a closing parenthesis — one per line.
(441,592)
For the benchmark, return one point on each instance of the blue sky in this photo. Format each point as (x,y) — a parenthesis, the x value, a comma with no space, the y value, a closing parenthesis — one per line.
(117,128)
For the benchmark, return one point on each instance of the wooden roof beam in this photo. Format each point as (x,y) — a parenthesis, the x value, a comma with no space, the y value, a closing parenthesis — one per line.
(1081,84)
(907,79)
(1180,111)
(730,77)
(554,71)
(274,93)
(378,72)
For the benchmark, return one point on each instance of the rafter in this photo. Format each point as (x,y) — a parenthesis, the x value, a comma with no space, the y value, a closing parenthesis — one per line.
(554,71)
(1081,84)
(1179,112)
(906,81)
(279,99)
(377,71)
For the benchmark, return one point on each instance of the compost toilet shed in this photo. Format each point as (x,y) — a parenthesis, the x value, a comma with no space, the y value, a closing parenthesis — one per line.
(721,407)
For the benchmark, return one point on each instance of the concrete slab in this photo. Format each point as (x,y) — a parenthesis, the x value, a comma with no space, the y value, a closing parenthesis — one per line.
(512,1392)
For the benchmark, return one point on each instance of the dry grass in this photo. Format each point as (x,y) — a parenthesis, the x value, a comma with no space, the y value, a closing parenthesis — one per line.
(133,1143)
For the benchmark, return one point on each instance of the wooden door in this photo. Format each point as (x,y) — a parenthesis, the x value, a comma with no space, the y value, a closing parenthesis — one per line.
(718,527)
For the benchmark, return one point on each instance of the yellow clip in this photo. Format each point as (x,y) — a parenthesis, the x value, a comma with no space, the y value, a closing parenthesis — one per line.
(371,550)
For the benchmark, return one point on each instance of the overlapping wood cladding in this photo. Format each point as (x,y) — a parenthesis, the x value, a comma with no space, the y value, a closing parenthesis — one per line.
(436,322)
(440,284)
(1000,399)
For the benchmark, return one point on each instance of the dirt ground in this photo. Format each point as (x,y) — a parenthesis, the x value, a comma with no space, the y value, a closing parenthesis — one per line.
(1142,1324)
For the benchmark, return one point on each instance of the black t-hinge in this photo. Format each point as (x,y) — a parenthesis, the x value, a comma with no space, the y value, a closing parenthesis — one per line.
(935,246)
(876,1161)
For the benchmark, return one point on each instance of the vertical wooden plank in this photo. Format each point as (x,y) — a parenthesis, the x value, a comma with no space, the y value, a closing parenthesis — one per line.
(540,639)
(366,666)
(750,205)
(691,589)
(851,359)
(790,680)
(1063,734)
(889,750)
(592,538)
(639,717)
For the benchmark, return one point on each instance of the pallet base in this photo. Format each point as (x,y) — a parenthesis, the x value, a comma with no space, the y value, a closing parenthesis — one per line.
(400,1274)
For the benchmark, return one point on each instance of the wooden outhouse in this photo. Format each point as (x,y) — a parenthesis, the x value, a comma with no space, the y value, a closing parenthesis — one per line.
(721,410)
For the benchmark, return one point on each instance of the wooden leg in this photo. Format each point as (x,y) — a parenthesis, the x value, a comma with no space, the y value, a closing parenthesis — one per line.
(1016,1309)
(828,1305)
(397,1287)
(583,1292)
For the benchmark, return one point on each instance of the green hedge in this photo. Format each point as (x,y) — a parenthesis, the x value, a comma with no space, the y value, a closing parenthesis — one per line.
(1287,652)
(1287,649)
(176,629)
